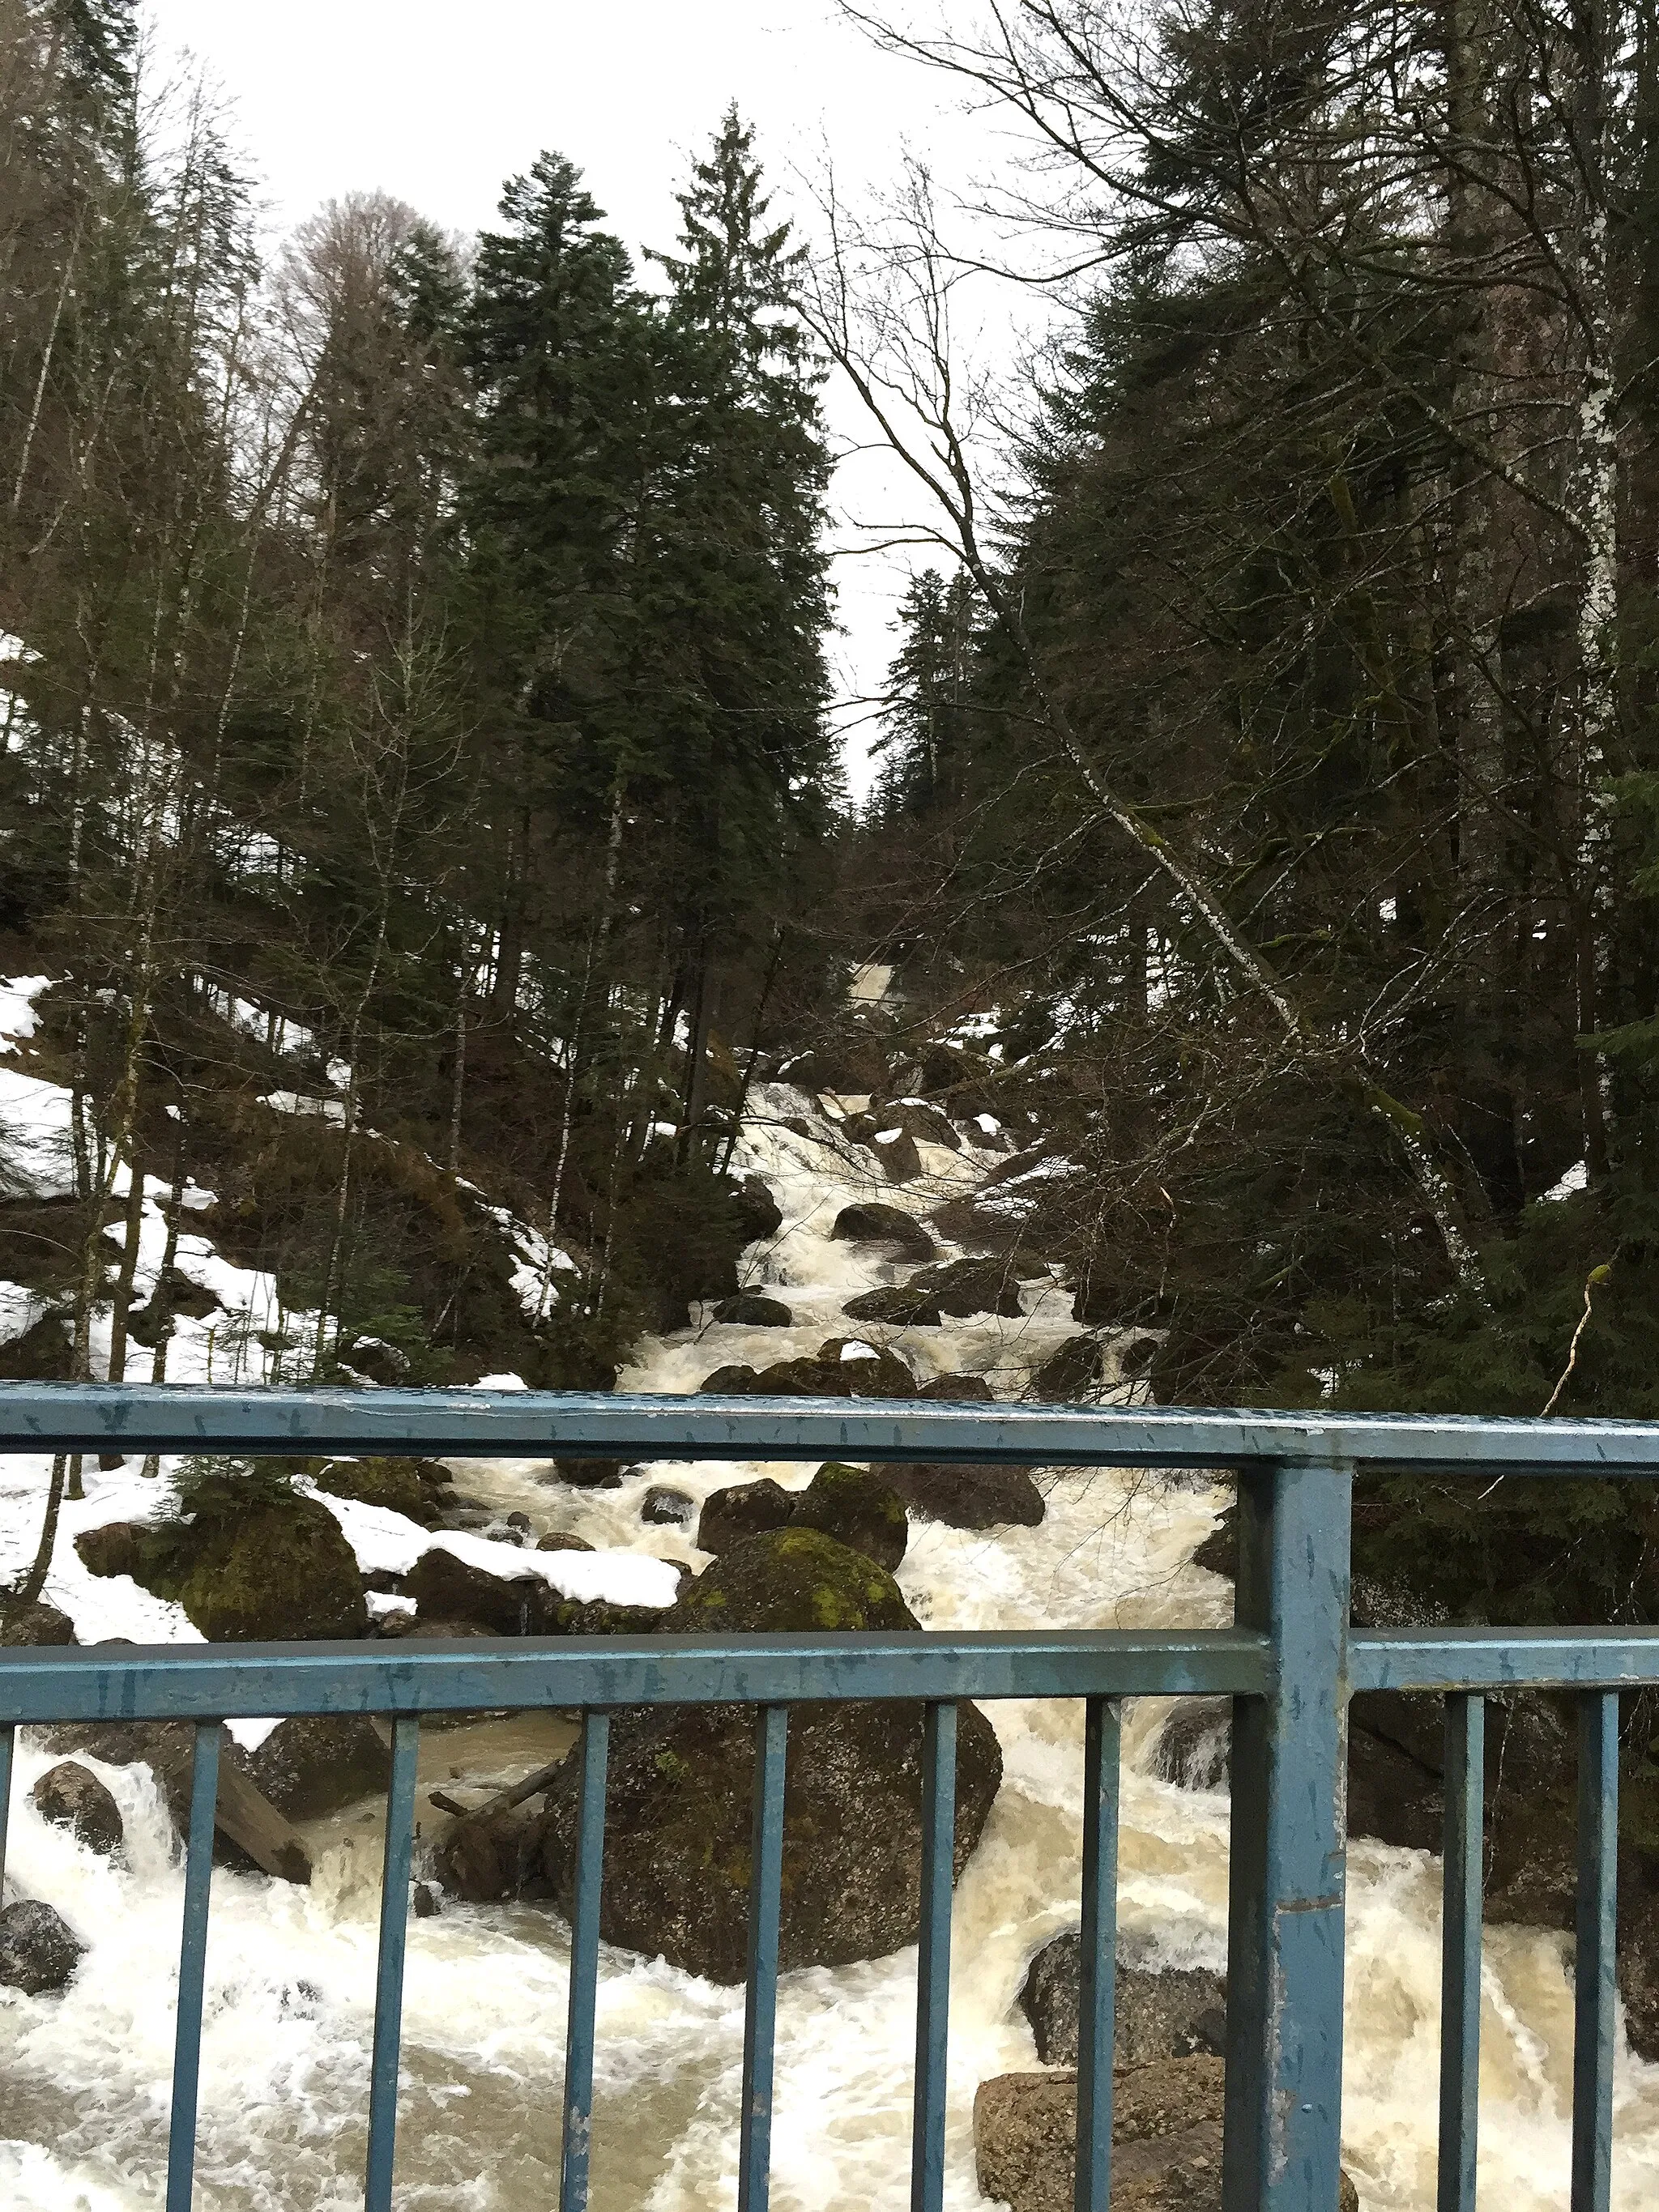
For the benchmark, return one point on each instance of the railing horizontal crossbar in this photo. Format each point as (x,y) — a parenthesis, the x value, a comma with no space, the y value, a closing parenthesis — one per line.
(197,1681)
(1481,1659)
(544,1424)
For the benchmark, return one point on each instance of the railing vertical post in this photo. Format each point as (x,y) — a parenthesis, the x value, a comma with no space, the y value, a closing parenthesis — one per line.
(1460,1959)
(389,1970)
(1102,1741)
(6,1738)
(1288,1876)
(594,1752)
(938,1830)
(192,1963)
(1596,1979)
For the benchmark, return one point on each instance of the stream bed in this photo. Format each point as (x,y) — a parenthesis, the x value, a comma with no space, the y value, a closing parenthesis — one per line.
(84,2076)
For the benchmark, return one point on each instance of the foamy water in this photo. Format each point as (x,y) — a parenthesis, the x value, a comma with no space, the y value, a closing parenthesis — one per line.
(84,2076)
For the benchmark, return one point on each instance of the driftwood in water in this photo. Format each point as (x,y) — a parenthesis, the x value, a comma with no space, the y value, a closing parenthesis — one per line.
(244,1815)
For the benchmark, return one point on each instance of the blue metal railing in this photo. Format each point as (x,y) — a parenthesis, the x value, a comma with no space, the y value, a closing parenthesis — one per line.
(1290,1662)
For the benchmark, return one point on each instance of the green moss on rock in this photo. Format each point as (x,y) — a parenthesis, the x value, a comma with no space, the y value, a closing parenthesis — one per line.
(275,1570)
(682,1784)
(792,1580)
(401,1486)
(858,1509)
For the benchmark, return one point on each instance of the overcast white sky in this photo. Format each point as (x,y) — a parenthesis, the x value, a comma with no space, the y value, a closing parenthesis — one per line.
(439,100)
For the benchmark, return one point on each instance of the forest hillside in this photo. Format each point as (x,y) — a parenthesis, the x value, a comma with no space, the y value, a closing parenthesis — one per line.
(423,826)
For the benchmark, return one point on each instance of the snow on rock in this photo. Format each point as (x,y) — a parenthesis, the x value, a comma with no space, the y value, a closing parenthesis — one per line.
(535,1262)
(298,1102)
(18,1019)
(1575,1179)
(387,1543)
(266,1023)
(102,1607)
(36,1149)
(20,1309)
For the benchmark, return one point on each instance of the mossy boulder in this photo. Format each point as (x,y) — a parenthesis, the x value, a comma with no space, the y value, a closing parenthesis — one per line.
(36,1624)
(447,1587)
(413,1488)
(963,1496)
(320,1762)
(871,1223)
(959,1390)
(1072,1372)
(259,1564)
(743,1509)
(677,1835)
(898,1306)
(964,1287)
(751,1309)
(792,1582)
(858,1509)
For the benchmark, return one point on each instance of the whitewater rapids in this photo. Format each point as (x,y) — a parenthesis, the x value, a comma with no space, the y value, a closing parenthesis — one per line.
(84,2077)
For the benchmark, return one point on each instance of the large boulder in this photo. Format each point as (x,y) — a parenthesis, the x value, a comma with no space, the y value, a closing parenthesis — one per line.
(874,1223)
(316,1765)
(34,1624)
(588,1473)
(257,1563)
(964,1287)
(743,1509)
(1071,1372)
(959,1390)
(857,1508)
(447,1587)
(680,1799)
(735,1378)
(862,1370)
(116,1548)
(759,1215)
(963,1496)
(844,1367)
(37,1951)
(1156,2015)
(413,1488)
(1166,2140)
(919,1118)
(483,1860)
(71,1796)
(898,1306)
(273,1575)
(894,1146)
(751,1309)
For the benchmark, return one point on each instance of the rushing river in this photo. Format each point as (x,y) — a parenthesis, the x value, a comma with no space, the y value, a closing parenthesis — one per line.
(84,2076)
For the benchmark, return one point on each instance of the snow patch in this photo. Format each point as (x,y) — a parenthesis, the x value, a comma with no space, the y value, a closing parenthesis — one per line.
(316,1109)
(1575,1179)
(18,1019)
(36,1148)
(388,1543)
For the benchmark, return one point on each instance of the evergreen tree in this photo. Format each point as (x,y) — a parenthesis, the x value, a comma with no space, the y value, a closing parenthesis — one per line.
(925,745)
(740,583)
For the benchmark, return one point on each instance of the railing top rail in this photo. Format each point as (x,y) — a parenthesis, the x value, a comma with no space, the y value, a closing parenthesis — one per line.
(214,1681)
(546,1425)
